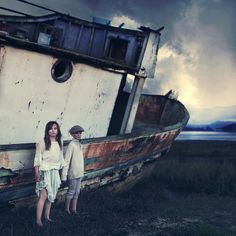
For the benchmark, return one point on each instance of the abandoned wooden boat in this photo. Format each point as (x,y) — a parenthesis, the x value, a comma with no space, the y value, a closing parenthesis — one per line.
(58,67)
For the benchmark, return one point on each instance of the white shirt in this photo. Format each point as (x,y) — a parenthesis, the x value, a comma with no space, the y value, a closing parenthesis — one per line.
(74,161)
(49,159)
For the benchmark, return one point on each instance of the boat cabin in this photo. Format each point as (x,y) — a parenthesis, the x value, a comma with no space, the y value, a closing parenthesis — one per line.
(116,46)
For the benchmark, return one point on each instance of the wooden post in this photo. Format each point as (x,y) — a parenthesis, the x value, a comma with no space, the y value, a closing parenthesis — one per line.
(133,102)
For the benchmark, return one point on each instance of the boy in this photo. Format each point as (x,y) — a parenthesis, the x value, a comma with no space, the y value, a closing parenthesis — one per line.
(74,169)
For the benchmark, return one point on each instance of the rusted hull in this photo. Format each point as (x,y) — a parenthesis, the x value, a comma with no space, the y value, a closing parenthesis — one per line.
(108,159)
(117,160)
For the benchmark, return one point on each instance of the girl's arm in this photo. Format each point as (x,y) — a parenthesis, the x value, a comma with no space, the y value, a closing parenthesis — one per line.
(37,173)
(37,161)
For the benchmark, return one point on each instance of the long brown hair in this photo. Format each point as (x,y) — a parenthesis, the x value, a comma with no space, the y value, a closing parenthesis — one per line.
(47,137)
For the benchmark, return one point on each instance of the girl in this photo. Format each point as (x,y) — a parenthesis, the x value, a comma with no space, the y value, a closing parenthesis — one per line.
(47,163)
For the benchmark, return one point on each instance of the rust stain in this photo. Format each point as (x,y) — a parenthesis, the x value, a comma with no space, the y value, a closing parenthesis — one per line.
(114,152)
(82,69)
(108,153)
(29,105)
(3,53)
(4,159)
(152,106)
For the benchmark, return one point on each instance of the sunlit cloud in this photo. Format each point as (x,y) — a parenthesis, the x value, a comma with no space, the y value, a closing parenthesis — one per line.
(198,63)
(128,23)
(173,73)
(208,59)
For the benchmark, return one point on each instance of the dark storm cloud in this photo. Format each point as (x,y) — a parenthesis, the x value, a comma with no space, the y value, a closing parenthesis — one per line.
(198,46)
(152,12)
(221,14)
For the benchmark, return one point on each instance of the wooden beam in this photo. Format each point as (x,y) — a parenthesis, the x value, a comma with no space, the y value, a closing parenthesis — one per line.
(133,102)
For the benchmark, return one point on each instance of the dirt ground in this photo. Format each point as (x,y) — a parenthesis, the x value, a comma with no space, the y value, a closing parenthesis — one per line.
(147,209)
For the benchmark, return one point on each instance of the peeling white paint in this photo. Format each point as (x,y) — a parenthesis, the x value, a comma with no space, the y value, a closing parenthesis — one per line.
(150,55)
(15,160)
(29,97)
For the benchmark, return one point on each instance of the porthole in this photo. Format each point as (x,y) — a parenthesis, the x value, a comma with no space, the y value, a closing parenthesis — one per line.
(61,71)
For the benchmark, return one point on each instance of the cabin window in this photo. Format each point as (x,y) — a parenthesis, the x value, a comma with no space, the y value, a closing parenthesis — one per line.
(61,71)
(19,33)
(117,48)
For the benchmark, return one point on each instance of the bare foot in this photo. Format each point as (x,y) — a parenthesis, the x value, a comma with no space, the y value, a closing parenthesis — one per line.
(75,212)
(39,223)
(68,212)
(49,220)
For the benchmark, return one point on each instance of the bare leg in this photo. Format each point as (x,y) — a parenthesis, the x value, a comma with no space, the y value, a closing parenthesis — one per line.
(48,205)
(74,205)
(42,197)
(70,194)
(76,194)
(68,205)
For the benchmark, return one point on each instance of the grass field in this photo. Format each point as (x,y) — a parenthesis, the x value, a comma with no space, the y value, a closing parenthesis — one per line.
(199,166)
(204,149)
(191,192)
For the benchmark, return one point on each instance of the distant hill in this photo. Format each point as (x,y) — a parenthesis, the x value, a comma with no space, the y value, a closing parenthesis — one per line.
(230,128)
(212,115)
(223,126)
(198,128)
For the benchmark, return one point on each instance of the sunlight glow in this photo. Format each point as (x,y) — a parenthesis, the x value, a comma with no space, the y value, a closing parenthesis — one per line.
(128,23)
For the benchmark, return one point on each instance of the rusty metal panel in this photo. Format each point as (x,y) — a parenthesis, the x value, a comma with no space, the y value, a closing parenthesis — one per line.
(105,154)
(99,38)
(84,43)
(72,32)
(151,105)
(17,159)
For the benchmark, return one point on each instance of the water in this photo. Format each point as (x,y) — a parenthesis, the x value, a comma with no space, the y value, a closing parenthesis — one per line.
(198,135)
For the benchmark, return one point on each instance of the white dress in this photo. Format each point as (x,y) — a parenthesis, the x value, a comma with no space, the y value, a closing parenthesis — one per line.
(49,163)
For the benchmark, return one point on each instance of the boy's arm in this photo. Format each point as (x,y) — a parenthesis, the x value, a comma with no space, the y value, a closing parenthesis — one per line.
(68,157)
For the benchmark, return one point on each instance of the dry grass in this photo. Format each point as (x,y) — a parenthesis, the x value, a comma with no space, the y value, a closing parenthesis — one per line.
(172,202)
(199,166)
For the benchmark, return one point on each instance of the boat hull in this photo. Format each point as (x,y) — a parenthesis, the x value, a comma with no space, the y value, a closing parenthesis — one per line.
(108,159)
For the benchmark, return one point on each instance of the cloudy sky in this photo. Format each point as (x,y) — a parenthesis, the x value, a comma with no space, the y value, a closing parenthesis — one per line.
(197,57)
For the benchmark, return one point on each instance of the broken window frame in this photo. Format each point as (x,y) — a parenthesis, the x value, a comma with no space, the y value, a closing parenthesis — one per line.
(112,48)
